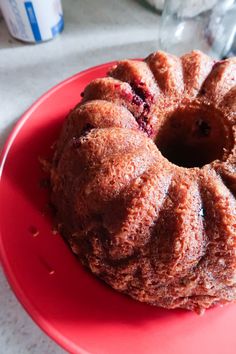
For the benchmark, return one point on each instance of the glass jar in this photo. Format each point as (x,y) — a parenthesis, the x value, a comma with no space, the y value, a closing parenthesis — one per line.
(207,25)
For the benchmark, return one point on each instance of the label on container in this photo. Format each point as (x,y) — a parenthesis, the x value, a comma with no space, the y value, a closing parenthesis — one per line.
(33,21)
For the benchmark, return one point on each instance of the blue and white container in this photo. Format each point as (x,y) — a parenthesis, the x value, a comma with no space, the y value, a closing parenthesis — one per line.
(33,21)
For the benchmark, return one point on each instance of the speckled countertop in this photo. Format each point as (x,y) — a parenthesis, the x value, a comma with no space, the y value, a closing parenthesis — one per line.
(96,31)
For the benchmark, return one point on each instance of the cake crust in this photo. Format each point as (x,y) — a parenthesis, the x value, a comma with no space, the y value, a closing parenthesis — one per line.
(144,180)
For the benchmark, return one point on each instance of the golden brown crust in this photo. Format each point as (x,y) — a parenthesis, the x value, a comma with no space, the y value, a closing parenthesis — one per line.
(144,180)
(167,70)
(196,67)
(220,81)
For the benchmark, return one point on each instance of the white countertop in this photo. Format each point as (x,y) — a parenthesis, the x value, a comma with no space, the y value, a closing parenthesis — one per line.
(96,31)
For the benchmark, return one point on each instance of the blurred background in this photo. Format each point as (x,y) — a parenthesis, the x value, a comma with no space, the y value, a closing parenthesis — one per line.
(87,33)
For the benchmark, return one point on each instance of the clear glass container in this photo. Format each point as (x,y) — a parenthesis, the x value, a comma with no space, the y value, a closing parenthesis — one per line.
(207,25)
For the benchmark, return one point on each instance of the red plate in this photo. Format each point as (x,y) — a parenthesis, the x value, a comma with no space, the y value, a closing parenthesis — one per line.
(77,310)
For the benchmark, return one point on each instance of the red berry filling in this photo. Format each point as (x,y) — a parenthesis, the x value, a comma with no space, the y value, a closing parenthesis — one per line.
(140,97)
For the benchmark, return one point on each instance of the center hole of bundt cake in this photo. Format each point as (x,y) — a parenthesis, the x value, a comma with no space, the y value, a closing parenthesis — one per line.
(194,136)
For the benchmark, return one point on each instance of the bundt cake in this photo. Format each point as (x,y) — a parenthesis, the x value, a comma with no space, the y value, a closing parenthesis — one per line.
(144,179)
